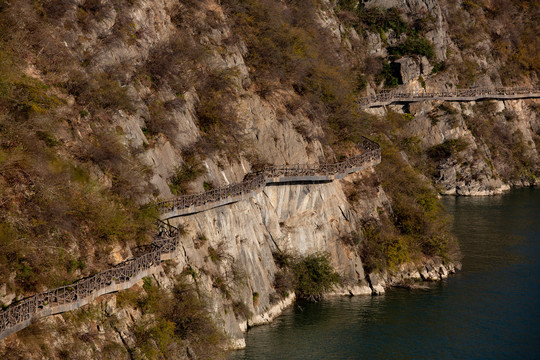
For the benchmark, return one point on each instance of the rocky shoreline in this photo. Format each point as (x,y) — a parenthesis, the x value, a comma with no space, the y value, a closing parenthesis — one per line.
(493,188)
(407,275)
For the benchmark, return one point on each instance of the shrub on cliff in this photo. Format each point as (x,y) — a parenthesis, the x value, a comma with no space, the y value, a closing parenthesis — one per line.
(314,276)
(189,171)
(418,215)
(446,149)
(309,276)
(174,320)
(390,74)
(381,20)
(383,247)
(413,45)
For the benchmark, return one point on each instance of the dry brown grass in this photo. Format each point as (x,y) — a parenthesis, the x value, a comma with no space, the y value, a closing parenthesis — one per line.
(58,221)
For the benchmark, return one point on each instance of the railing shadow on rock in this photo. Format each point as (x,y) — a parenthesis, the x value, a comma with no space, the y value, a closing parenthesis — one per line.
(148,258)
(386,97)
(189,204)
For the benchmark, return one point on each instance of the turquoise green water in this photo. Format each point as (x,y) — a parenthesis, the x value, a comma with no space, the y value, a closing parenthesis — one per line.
(489,310)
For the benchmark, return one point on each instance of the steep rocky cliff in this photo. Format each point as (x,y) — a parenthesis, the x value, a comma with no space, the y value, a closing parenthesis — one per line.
(478,148)
(472,148)
(145,100)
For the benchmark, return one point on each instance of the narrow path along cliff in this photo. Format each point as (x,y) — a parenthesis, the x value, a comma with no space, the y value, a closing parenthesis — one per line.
(458,95)
(19,315)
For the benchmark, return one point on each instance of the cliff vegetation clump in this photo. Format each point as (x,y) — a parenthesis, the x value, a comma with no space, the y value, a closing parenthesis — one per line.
(510,27)
(174,322)
(58,223)
(310,277)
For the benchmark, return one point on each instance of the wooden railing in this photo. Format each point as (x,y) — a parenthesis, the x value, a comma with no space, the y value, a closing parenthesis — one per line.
(148,258)
(386,97)
(189,204)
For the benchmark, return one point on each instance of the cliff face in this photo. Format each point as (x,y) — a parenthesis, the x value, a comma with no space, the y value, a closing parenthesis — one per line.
(205,91)
(496,145)
(228,253)
(498,140)
(296,219)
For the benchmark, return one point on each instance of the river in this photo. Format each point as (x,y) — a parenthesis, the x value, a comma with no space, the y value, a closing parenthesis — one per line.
(489,310)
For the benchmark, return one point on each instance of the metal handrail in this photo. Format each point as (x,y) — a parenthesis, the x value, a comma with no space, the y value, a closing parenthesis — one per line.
(51,301)
(371,151)
(20,314)
(385,97)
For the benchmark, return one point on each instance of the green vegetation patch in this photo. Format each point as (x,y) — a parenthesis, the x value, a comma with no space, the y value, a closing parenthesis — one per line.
(390,75)
(417,226)
(173,320)
(184,174)
(314,276)
(20,93)
(379,20)
(413,45)
(418,215)
(447,149)
(309,276)
(410,34)
(382,248)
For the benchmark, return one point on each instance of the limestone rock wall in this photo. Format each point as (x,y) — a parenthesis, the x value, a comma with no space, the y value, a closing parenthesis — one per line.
(229,249)
(497,135)
(296,219)
(502,137)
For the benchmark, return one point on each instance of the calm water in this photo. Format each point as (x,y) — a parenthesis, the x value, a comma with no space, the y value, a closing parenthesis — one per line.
(490,310)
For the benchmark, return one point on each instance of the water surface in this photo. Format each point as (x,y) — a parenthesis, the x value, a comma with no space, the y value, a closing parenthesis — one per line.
(489,310)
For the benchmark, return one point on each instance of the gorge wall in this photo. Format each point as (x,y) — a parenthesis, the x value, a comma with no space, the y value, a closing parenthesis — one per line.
(476,148)
(143,100)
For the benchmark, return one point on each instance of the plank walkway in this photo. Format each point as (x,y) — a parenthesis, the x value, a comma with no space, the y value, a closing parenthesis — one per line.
(165,246)
(189,204)
(387,97)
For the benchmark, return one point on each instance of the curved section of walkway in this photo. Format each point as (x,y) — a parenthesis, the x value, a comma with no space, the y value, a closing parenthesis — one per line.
(20,314)
(189,204)
(387,97)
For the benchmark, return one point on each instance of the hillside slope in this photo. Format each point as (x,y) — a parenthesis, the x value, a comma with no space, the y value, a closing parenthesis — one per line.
(110,106)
